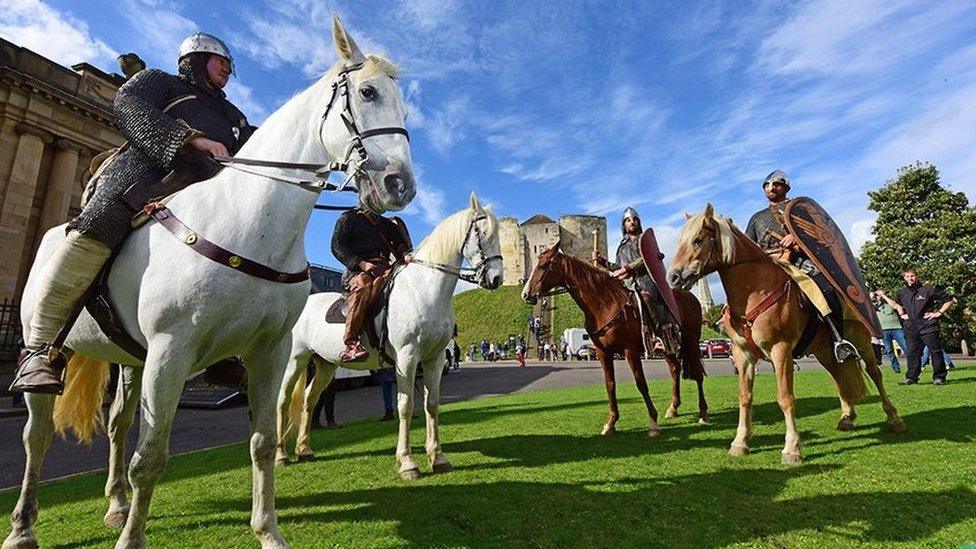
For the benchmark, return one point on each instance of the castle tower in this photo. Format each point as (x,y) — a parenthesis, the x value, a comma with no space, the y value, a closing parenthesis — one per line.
(705,294)
(510,239)
(577,233)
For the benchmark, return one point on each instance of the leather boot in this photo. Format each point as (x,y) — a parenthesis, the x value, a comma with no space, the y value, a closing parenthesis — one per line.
(354,353)
(40,370)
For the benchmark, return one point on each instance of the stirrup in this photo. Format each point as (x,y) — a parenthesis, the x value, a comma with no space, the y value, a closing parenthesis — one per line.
(844,350)
(40,370)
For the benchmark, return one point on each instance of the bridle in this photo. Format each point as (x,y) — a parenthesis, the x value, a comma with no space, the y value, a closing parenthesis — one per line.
(349,165)
(470,274)
(545,272)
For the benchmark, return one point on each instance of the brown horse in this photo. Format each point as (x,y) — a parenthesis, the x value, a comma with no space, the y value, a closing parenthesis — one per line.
(614,325)
(766,319)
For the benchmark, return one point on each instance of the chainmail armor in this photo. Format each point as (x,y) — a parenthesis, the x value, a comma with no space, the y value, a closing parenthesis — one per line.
(154,140)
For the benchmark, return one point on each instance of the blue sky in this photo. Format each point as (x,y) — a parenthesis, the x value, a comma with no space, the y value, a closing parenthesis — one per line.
(587,107)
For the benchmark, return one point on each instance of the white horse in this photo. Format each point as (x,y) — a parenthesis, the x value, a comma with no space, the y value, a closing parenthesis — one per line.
(185,309)
(420,324)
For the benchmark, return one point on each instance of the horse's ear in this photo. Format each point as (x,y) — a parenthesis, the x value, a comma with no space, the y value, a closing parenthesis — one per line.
(474,203)
(556,247)
(709,211)
(345,45)
(687,216)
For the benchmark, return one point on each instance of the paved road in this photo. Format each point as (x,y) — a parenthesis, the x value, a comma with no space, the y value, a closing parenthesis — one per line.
(200,429)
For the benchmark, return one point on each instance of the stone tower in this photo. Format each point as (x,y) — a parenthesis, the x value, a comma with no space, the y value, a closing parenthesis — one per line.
(510,239)
(521,243)
(576,235)
(705,294)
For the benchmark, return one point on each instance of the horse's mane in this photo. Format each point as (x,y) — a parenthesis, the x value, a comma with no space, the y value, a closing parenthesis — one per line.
(583,272)
(444,242)
(726,234)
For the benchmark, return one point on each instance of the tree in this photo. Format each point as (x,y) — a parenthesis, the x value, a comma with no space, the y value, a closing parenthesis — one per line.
(922,224)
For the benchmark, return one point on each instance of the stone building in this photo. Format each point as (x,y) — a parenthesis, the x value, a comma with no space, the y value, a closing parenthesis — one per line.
(53,120)
(521,243)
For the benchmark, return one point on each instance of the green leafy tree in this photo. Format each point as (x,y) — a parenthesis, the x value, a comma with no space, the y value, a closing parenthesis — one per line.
(924,225)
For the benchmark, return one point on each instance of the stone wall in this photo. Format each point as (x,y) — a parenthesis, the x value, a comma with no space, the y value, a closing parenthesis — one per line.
(510,239)
(538,238)
(521,244)
(576,235)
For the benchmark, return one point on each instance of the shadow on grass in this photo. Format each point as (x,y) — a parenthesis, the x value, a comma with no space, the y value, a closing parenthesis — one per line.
(711,509)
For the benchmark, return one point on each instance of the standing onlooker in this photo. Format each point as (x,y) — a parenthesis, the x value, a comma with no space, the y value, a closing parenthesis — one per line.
(891,328)
(484,350)
(387,378)
(919,306)
(926,355)
(520,354)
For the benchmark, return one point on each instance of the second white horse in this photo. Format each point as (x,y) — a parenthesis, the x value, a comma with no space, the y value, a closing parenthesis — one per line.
(420,323)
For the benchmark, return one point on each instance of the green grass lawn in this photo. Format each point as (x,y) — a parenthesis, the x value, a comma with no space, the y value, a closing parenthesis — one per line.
(532,471)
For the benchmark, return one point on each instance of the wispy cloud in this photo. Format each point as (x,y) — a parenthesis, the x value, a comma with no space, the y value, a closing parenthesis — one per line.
(53,33)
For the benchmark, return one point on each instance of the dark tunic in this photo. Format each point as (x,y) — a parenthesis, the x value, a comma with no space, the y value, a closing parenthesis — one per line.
(918,300)
(628,253)
(154,140)
(361,236)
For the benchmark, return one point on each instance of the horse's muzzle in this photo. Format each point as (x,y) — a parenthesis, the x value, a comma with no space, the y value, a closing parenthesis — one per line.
(400,188)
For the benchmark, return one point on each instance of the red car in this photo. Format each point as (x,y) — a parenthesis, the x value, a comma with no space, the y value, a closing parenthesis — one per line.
(716,348)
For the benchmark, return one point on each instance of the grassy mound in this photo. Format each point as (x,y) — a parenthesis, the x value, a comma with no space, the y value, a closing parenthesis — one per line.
(493,315)
(531,471)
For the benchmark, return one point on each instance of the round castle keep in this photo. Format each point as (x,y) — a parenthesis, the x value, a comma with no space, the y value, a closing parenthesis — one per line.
(521,243)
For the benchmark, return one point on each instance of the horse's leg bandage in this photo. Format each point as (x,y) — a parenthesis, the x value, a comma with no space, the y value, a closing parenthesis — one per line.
(66,276)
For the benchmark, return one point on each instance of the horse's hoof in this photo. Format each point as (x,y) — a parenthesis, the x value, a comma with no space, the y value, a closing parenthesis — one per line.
(115,518)
(737,450)
(443,467)
(792,459)
(273,540)
(301,458)
(671,413)
(897,425)
(654,432)
(410,474)
(845,424)
(281,462)
(22,540)
(704,421)
(608,430)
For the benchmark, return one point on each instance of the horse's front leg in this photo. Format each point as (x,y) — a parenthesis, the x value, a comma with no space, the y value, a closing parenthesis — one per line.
(265,369)
(120,418)
(675,371)
(37,436)
(637,368)
(324,372)
(747,373)
(783,364)
(609,378)
(170,361)
(433,370)
(406,368)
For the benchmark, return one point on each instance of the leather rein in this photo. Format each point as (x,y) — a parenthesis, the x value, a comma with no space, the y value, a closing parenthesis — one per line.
(473,273)
(349,165)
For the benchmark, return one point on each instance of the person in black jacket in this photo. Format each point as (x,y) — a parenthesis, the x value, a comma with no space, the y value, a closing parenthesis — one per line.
(166,120)
(921,307)
(368,244)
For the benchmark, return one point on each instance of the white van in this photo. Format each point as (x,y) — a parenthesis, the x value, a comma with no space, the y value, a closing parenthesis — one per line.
(576,338)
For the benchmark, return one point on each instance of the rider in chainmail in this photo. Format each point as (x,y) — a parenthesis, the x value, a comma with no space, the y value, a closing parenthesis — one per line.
(165,119)
(369,245)
(630,268)
(768,229)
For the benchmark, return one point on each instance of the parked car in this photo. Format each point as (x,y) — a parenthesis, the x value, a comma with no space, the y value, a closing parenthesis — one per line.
(716,348)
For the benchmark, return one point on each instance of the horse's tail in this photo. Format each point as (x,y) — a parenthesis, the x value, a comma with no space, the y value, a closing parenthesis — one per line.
(849,377)
(296,408)
(691,328)
(79,409)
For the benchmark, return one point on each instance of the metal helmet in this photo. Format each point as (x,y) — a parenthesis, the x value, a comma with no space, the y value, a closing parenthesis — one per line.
(629,213)
(201,42)
(777,175)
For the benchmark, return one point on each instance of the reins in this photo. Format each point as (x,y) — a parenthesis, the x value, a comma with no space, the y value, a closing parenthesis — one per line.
(470,274)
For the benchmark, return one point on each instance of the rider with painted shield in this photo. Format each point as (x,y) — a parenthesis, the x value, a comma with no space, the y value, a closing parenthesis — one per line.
(369,245)
(167,120)
(630,268)
(768,229)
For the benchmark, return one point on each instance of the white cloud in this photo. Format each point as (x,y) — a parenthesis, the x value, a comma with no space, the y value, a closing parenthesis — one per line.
(430,200)
(243,98)
(445,126)
(52,33)
(161,30)
(861,232)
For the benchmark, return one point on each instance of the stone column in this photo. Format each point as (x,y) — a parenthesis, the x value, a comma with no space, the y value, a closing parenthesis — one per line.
(60,187)
(15,216)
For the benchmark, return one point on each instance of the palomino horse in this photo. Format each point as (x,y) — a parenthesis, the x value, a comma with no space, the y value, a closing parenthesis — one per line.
(711,243)
(614,325)
(185,309)
(419,323)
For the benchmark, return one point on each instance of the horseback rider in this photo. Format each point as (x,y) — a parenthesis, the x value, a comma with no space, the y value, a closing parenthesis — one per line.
(630,269)
(168,121)
(369,245)
(768,229)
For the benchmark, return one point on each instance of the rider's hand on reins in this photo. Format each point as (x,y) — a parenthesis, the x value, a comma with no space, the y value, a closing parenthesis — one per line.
(209,146)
